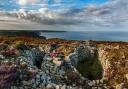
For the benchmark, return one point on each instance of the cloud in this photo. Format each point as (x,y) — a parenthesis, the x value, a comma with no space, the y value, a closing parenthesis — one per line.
(25,2)
(53,19)
(111,13)
(107,16)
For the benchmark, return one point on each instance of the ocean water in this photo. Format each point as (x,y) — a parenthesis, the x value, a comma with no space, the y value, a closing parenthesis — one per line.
(71,35)
(88,35)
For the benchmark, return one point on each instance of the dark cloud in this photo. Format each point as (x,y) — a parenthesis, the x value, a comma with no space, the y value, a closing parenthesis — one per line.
(53,21)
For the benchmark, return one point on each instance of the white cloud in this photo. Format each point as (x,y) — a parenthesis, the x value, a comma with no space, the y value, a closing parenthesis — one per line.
(25,2)
(112,15)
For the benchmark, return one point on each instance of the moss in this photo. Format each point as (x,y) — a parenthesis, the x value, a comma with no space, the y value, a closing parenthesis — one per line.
(90,67)
(96,70)
(89,70)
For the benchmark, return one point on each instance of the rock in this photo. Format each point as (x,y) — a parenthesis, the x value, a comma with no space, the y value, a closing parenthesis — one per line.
(127,77)
(101,81)
(47,57)
(25,83)
(55,61)
(88,64)
(120,86)
(94,88)
(91,83)
(24,65)
(84,53)
(49,86)
(37,57)
(97,81)
(2,57)
(57,87)
(68,67)
(114,63)
(99,88)
(73,57)
(63,87)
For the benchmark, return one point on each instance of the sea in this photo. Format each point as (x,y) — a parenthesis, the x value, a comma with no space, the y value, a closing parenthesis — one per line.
(72,35)
(88,35)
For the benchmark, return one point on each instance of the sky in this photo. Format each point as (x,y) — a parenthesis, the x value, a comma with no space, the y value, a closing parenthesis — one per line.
(78,15)
(52,4)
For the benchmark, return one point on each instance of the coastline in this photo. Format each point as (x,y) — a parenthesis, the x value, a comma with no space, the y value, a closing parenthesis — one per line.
(70,35)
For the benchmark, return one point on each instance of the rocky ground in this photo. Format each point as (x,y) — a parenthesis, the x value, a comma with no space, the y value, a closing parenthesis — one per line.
(34,63)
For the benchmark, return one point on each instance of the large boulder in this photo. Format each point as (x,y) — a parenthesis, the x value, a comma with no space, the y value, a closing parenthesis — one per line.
(85,59)
(73,59)
(35,55)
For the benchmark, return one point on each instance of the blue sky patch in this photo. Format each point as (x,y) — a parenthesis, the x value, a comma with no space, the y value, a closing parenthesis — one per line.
(54,4)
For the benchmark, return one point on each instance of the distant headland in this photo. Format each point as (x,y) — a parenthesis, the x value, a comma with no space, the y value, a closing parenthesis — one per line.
(26,33)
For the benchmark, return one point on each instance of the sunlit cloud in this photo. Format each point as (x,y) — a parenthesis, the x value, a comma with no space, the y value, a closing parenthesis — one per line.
(22,2)
(25,2)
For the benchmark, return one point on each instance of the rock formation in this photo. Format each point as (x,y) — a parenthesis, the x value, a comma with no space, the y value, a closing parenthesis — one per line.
(54,64)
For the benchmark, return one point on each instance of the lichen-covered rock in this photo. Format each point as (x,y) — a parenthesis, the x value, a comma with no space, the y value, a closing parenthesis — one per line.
(35,55)
(73,57)
(88,64)
(115,64)
(32,63)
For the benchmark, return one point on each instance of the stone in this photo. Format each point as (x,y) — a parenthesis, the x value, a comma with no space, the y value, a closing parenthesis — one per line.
(73,57)
(49,86)
(101,81)
(57,87)
(97,81)
(127,77)
(92,83)
(2,57)
(88,64)
(99,88)
(94,88)
(63,87)
(58,63)
(37,57)
(120,86)
(25,83)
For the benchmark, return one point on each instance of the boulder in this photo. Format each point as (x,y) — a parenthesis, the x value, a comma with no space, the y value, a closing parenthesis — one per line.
(86,61)
(73,57)
(35,55)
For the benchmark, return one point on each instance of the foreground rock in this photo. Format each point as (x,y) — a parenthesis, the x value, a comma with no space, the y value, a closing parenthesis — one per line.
(115,64)
(60,64)
(85,59)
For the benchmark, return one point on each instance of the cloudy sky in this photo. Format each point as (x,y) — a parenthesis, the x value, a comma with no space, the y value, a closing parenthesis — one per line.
(78,15)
